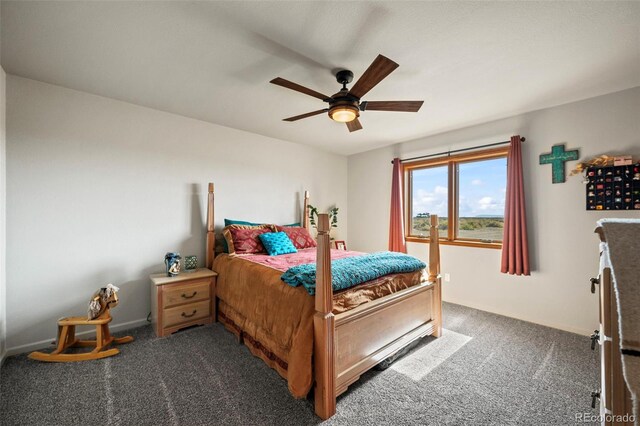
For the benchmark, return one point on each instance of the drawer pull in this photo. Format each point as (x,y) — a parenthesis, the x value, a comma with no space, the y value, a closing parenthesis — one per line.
(595,337)
(189,297)
(594,395)
(594,281)
(189,315)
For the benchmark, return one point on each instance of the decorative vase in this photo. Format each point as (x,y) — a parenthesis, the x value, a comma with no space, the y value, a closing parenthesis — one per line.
(172,262)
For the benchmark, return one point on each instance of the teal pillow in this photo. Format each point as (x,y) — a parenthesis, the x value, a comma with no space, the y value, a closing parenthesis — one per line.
(277,243)
(228,222)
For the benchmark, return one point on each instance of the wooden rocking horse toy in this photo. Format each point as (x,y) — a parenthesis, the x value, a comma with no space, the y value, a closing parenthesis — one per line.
(99,316)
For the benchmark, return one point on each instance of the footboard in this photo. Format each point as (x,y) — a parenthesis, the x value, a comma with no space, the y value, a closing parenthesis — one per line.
(349,344)
(374,331)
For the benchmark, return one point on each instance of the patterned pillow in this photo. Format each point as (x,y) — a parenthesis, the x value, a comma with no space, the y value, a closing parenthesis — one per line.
(277,243)
(299,236)
(243,239)
(224,246)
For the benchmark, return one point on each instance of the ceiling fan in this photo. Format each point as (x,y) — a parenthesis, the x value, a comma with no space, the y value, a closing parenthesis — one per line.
(345,106)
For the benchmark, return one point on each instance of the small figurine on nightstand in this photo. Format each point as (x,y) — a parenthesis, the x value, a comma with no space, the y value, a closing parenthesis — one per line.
(172,261)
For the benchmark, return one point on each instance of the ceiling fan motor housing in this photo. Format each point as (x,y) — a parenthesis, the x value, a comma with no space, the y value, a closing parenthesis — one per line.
(343,106)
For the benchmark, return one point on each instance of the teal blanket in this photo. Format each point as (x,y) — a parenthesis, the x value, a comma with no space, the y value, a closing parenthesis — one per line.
(352,271)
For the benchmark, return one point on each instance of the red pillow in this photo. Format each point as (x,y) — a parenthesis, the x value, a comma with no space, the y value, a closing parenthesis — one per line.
(299,236)
(246,241)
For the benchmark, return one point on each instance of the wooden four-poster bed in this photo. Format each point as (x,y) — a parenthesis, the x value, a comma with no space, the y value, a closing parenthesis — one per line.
(342,344)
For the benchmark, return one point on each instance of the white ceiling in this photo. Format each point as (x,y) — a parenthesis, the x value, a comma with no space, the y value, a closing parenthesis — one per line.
(471,62)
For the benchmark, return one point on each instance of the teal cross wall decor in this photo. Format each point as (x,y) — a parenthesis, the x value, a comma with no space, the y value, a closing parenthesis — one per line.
(557,157)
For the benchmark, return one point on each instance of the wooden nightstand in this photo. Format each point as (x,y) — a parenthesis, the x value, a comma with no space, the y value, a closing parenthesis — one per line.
(182,301)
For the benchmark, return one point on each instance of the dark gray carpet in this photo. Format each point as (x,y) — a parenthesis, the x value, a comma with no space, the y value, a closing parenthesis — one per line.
(486,369)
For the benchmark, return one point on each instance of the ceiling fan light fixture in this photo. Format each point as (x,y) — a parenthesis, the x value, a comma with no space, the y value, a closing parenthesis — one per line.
(344,113)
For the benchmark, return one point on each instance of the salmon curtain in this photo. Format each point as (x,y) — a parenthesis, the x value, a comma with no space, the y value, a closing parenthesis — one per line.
(515,251)
(396,224)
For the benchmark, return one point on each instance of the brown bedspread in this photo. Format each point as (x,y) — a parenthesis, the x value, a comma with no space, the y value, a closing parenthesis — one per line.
(275,320)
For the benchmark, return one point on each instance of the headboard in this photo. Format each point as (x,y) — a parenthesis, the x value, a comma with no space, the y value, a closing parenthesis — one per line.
(211,234)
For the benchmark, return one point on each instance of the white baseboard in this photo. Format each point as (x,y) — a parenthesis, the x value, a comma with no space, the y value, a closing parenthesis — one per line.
(48,342)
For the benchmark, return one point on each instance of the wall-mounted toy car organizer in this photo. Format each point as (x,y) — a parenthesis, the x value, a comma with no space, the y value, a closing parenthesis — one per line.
(613,187)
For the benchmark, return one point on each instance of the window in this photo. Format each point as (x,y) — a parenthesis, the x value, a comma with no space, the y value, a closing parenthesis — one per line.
(466,191)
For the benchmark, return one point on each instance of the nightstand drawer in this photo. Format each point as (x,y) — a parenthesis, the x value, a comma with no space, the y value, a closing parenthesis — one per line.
(185,313)
(186,293)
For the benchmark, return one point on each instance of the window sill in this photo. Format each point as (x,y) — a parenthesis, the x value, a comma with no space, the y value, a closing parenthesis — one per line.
(456,243)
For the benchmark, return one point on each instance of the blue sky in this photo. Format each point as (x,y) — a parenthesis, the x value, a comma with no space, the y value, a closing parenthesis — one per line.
(482,187)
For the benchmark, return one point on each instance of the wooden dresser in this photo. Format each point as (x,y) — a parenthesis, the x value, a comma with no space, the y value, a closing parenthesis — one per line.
(615,398)
(182,301)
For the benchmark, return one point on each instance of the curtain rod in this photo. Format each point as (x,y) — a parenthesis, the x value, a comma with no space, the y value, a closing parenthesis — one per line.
(522,139)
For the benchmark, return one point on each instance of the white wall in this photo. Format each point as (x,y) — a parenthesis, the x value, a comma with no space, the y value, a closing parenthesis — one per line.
(99,190)
(3,215)
(564,250)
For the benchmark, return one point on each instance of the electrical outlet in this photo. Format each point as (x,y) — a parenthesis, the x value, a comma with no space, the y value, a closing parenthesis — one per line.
(447,278)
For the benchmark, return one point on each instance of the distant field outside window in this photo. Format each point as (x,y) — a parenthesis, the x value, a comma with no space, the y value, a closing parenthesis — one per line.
(467,192)
(481,195)
(430,192)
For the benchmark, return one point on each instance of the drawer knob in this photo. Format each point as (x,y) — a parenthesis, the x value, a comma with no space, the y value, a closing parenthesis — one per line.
(595,337)
(594,395)
(594,281)
(189,315)
(189,297)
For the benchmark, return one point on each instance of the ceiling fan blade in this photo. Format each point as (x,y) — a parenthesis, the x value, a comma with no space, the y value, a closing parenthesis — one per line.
(294,86)
(309,114)
(401,106)
(377,71)
(354,125)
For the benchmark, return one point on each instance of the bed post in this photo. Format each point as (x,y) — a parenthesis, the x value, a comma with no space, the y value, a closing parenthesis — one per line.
(211,235)
(434,274)
(324,326)
(305,211)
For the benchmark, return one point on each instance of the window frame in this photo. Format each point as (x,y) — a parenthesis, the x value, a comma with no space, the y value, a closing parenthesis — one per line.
(451,161)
